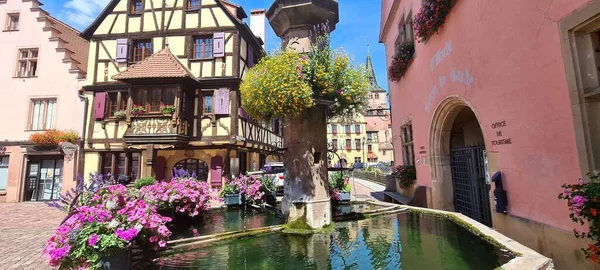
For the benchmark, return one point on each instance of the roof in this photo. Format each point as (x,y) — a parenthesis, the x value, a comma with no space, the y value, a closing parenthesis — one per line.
(75,43)
(162,64)
(372,156)
(373,85)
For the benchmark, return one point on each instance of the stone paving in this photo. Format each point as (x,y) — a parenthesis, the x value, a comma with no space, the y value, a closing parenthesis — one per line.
(25,227)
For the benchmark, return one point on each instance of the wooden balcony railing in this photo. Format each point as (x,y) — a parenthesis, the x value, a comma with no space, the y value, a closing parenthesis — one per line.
(157,129)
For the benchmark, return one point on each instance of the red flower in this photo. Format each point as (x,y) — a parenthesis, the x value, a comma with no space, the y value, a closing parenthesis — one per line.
(594,212)
(593,257)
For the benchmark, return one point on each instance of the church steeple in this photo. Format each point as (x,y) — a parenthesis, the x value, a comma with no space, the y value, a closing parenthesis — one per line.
(373,85)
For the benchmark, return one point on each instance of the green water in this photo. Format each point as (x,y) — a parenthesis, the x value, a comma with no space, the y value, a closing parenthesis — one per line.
(227,220)
(403,241)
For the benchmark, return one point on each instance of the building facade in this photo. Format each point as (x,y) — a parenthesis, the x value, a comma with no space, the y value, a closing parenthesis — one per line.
(366,137)
(505,87)
(164,80)
(45,67)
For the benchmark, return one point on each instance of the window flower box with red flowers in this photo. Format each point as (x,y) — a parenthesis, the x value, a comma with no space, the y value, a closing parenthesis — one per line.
(138,110)
(52,138)
(401,61)
(430,18)
(583,200)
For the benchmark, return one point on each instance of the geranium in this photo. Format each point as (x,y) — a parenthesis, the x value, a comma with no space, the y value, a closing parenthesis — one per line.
(185,195)
(53,137)
(401,61)
(405,175)
(583,200)
(430,18)
(110,221)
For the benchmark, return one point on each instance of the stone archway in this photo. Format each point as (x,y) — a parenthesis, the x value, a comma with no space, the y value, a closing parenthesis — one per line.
(454,125)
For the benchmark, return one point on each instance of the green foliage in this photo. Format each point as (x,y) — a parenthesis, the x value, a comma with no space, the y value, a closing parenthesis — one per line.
(405,175)
(229,190)
(339,181)
(142,182)
(268,184)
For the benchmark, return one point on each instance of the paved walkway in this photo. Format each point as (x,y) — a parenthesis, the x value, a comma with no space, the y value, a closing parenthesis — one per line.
(24,230)
(362,189)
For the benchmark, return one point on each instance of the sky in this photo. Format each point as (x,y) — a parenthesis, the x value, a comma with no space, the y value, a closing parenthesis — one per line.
(359,25)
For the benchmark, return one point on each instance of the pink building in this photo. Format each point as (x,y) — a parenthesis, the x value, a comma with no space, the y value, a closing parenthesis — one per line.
(44,65)
(504,86)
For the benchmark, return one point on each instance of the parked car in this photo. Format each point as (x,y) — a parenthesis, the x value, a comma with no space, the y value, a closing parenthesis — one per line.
(275,171)
(359,165)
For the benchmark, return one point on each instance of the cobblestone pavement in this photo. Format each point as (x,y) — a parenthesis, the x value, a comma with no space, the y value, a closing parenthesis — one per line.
(24,229)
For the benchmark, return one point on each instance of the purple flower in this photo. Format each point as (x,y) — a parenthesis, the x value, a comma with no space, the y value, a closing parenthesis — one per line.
(127,235)
(93,240)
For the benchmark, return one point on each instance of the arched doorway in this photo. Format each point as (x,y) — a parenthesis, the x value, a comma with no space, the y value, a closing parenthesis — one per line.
(458,161)
(194,166)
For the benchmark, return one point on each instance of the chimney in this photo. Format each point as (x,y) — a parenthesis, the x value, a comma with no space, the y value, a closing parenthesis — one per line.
(258,24)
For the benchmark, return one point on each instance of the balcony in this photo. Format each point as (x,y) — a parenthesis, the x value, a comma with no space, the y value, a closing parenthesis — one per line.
(259,136)
(157,129)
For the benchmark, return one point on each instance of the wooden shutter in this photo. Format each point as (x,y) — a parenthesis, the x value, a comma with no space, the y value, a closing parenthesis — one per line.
(99,106)
(242,113)
(219,44)
(122,50)
(221,101)
(216,170)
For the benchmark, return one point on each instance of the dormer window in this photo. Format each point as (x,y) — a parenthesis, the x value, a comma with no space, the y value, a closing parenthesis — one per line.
(193,4)
(137,7)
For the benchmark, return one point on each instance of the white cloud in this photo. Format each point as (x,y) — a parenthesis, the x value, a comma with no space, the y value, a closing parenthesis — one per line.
(81,13)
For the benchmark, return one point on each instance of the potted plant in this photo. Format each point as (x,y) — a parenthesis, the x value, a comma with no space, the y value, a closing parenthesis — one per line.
(120,115)
(167,109)
(339,187)
(231,196)
(137,110)
(269,187)
(401,61)
(405,175)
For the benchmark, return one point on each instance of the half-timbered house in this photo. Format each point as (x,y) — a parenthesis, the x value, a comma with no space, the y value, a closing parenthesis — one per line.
(164,78)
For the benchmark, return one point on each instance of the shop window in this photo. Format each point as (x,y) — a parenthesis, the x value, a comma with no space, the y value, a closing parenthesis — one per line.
(195,167)
(121,164)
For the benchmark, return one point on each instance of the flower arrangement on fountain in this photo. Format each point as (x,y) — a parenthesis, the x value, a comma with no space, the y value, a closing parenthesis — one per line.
(430,18)
(401,61)
(405,175)
(583,200)
(108,225)
(339,187)
(285,83)
(248,187)
(185,195)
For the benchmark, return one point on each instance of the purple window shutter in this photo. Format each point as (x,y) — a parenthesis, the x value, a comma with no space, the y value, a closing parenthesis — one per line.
(99,105)
(221,101)
(242,113)
(250,58)
(122,50)
(219,44)
(216,170)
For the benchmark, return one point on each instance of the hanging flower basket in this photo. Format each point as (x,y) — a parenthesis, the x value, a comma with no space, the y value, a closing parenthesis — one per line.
(51,138)
(402,61)
(430,18)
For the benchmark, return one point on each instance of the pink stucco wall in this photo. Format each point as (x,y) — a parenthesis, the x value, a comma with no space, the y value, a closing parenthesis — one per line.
(512,51)
(54,80)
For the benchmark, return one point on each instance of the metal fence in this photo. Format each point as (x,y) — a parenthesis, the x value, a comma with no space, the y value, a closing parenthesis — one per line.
(377,177)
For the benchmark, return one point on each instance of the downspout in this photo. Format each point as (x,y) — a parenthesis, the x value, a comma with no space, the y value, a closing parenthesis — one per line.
(86,102)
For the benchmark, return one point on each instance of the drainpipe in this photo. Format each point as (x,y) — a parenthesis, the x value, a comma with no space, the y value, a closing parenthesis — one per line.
(86,103)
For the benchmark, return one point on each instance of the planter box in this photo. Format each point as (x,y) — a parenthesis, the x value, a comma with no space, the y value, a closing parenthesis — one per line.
(120,260)
(271,198)
(233,199)
(344,196)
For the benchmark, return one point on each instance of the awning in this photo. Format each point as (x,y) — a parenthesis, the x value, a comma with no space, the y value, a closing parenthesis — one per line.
(372,156)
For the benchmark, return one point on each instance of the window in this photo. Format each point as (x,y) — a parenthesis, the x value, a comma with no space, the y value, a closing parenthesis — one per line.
(207,102)
(405,32)
(3,172)
(12,22)
(370,148)
(357,160)
(193,4)
(203,48)
(335,144)
(357,129)
(194,167)
(116,101)
(357,144)
(152,99)
(121,164)
(334,129)
(348,144)
(408,153)
(142,49)
(42,114)
(27,65)
(348,131)
(384,152)
(137,7)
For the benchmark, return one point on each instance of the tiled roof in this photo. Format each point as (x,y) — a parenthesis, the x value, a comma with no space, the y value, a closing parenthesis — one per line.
(74,42)
(162,64)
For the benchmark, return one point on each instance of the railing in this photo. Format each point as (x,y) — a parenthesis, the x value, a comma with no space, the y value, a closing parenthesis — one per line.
(159,124)
(376,177)
(254,133)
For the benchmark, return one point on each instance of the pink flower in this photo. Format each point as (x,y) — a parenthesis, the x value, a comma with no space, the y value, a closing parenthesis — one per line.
(162,243)
(93,240)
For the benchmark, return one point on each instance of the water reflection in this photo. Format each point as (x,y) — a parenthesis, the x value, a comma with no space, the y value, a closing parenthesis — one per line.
(403,241)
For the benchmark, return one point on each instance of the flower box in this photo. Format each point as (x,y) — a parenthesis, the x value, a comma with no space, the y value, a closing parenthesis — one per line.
(232,199)
(120,260)
(271,198)
(344,196)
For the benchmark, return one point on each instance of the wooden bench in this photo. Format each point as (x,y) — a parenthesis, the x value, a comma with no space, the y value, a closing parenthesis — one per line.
(418,198)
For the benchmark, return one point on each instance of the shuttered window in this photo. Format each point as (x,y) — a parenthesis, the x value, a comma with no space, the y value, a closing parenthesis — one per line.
(142,49)
(203,48)
(137,7)
(193,4)
(154,98)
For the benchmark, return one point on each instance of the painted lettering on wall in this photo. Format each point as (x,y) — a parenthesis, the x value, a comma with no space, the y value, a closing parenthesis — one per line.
(440,55)
(422,150)
(497,126)
(463,77)
(431,98)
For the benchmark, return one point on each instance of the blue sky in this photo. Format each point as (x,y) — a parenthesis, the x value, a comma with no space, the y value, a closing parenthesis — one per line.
(359,24)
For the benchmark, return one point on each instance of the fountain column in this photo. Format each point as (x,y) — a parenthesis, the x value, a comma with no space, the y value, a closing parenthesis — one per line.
(306,200)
